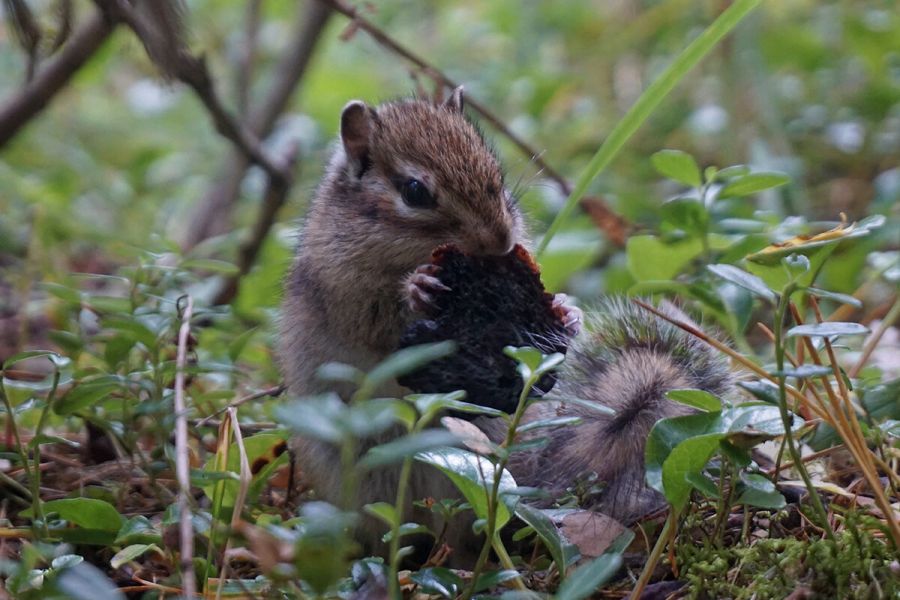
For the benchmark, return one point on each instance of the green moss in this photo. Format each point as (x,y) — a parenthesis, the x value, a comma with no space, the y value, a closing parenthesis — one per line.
(856,565)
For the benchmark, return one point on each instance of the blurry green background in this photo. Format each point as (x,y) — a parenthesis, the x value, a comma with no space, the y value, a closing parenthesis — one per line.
(113,167)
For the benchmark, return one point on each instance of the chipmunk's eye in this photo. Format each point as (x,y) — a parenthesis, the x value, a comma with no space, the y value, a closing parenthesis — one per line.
(416,195)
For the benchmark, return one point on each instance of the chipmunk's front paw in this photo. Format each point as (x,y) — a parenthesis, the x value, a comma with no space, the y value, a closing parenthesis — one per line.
(421,287)
(572,315)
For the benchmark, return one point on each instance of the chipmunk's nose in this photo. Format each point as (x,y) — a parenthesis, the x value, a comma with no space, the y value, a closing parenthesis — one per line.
(494,242)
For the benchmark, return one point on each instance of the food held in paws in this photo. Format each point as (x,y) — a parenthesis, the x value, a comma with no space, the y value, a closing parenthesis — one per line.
(491,302)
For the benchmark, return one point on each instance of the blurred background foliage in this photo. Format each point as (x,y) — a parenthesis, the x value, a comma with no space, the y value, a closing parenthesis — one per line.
(111,170)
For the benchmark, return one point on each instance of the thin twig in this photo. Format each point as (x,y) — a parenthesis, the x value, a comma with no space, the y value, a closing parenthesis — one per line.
(863,459)
(272,391)
(192,71)
(23,106)
(808,458)
(274,198)
(27,33)
(64,14)
(182,457)
(247,59)
(211,216)
(611,223)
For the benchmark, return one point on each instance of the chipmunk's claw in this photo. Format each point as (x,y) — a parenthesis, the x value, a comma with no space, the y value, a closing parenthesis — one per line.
(572,315)
(421,287)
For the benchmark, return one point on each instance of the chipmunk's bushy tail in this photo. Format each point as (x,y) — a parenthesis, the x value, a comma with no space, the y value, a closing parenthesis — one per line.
(626,360)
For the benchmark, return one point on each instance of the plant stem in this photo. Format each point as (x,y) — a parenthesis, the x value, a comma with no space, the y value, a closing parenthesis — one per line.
(668,531)
(646,104)
(11,421)
(38,509)
(786,420)
(402,485)
(491,527)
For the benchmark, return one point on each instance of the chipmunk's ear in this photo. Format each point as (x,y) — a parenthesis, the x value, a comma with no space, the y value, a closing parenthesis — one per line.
(455,102)
(356,128)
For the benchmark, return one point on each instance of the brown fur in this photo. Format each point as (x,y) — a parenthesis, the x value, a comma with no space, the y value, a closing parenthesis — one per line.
(344,303)
(344,300)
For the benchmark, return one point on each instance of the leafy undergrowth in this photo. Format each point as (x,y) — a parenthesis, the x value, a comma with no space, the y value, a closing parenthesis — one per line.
(98,461)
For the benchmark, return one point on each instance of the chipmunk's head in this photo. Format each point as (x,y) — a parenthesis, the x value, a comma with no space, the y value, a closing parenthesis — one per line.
(422,176)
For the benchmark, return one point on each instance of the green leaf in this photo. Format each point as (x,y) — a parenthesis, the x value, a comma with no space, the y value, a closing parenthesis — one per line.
(237,345)
(19,357)
(396,450)
(407,529)
(587,579)
(438,581)
(827,329)
(429,405)
(677,165)
(129,553)
(696,398)
(650,259)
(548,532)
(86,394)
(752,183)
(494,578)
(686,214)
(340,372)
(760,492)
(806,371)
(473,475)
(316,417)
(84,512)
(383,511)
(569,253)
(138,530)
(730,173)
(405,361)
(762,389)
(526,356)
(87,582)
(109,304)
(532,364)
(702,483)
(841,298)
(678,448)
(132,327)
(66,561)
(646,104)
(745,280)
(64,293)
(688,457)
(554,422)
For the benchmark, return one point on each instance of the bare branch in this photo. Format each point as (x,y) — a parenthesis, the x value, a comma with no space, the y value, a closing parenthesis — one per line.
(64,15)
(53,76)
(27,33)
(610,222)
(213,213)
(274,198)
(247,59)
(165,47)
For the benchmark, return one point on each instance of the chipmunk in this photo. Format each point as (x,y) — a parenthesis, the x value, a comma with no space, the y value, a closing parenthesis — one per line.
(408,176)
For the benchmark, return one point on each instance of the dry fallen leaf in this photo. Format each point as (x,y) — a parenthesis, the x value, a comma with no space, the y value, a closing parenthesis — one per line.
(591,531)
(473,438)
